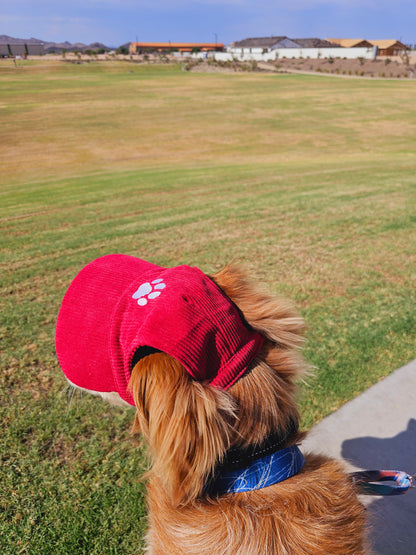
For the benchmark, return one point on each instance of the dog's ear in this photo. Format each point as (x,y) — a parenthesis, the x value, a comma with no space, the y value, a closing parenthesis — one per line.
(266,394)
(187,425)
(275,318)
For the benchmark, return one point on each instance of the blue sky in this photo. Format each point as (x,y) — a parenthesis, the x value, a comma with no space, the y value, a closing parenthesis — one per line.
(115,22)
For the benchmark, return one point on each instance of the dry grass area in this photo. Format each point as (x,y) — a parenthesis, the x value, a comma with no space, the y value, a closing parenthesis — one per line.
(64,119)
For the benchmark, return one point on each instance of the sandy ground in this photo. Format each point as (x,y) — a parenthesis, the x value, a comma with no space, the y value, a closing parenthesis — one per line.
(382,67)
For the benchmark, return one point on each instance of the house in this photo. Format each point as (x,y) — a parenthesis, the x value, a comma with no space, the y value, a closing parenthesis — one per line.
(314,43)
(258,42)
(389,47)
(384,47)
(260,45)
(152,47)
(351,43)
(274,47)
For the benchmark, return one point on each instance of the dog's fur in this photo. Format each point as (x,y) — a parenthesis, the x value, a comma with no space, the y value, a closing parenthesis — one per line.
(189,426)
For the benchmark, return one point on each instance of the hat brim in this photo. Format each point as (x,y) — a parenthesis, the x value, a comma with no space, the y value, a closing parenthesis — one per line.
(82,336)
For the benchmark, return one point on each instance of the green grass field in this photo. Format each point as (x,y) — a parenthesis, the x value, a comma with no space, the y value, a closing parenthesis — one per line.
(308,181)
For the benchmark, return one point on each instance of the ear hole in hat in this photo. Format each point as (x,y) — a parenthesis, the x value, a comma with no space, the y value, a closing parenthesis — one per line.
(142,352)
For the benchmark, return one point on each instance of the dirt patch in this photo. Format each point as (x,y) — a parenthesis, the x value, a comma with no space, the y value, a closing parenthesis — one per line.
(211,66)
(382,68)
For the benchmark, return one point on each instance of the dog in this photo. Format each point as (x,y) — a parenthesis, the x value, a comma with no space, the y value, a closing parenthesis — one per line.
(211,364)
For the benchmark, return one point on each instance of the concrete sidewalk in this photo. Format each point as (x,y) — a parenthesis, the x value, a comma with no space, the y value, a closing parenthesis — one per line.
(377,430)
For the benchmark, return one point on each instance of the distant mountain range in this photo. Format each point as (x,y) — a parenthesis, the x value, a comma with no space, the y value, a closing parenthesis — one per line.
(51,47)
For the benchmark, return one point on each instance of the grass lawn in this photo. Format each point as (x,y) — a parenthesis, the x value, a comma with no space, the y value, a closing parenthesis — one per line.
(307,181)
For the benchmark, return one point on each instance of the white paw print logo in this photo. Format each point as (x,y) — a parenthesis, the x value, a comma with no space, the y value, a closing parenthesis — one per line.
(148,291)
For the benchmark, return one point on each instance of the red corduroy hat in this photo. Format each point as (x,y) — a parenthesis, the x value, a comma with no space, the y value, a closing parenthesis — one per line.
(118,306)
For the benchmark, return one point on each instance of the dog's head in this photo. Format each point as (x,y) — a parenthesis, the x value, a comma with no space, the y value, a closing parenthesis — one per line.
(209,362)
(190,425)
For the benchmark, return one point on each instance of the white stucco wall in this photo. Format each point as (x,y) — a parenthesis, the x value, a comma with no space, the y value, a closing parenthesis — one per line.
(257,54)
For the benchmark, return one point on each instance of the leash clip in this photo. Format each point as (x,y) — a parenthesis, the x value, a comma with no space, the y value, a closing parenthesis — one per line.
(367,482)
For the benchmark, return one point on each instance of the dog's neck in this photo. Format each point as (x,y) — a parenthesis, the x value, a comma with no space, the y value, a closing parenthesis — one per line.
(257,466)
(239,457)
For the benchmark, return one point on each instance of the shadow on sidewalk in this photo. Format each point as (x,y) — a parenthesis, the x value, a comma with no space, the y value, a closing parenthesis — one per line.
(392,520)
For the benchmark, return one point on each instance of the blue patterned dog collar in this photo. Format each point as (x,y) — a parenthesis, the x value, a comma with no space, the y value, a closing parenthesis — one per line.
(269,470)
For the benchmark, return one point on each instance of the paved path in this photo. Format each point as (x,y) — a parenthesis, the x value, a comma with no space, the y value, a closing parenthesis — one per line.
(377,430)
